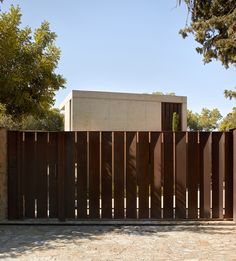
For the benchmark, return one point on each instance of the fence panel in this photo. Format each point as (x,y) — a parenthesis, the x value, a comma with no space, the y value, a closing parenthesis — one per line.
(193,174)
(119,175)
(156,173)
(82,171)
(218,170)
(29,170)
(228,175)
(15,198)
(94,174)
(61,168)
(70,175)
(131,175)
(143,174)
(53,174)
(205,174)
(168,165)
(106,175)
(41,168)
(180,174)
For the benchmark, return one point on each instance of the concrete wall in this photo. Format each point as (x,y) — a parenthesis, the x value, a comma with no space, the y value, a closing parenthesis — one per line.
(3,174)
(104,111)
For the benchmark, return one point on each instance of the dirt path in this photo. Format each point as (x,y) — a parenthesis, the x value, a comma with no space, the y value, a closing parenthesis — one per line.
(118,243)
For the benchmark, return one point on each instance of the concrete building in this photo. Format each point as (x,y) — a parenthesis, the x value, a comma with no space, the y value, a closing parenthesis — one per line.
(109,111)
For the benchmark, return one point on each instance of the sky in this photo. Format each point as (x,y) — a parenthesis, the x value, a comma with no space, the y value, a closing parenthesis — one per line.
(129,46)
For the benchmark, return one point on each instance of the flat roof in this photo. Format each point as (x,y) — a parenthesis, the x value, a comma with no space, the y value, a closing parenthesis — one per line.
(123,96)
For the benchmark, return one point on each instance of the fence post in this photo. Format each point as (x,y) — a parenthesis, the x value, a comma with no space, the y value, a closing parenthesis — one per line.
(3,174)
(234,175)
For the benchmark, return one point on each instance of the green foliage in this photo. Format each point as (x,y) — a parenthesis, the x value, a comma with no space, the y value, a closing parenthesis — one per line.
(213,25)
(175,121)
(162,93)
(230,94)
(207,120)
(52,120)
(229,122)
(193,121)
(28,61)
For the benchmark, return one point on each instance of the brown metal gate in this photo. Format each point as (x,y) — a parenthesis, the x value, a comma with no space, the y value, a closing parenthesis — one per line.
(120,175)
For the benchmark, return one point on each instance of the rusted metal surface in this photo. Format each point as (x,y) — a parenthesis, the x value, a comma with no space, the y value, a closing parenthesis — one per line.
(205,174)
(82,171)
(168,171)
(131,175)
(193,174)
(94,174)
(180,174)
(106,179)
(218,173)
(156,173)
(118,175)
(143,174)
(228,175)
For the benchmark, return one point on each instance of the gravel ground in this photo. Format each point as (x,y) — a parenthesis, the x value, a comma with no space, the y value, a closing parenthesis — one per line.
(206,242)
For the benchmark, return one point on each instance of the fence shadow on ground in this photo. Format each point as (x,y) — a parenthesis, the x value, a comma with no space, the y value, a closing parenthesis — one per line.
(18,240)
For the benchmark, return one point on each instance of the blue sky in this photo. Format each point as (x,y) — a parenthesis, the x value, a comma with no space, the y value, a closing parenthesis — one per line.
(129,46)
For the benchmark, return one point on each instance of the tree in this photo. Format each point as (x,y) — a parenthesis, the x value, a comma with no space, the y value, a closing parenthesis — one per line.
(229,122)
(230,94)
(193,121)
(207,120)
(53,120)
(28,61)
(175,121)
(213,25)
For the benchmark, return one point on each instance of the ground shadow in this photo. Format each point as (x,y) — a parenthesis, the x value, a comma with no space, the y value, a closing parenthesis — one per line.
(17,240)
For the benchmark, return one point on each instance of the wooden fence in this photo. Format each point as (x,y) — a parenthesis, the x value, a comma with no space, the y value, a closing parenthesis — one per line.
(120,175)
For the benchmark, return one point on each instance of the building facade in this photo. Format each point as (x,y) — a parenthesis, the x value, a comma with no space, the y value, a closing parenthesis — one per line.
(110,111)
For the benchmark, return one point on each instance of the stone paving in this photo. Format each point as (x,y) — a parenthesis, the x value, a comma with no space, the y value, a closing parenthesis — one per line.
(195,242)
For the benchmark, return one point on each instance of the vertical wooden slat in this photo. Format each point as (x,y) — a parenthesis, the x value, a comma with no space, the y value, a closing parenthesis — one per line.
(217,174)
(53,174)
(234,175)
(14,150)
(131,175)
(94,170)
(167,107)
(70,174)
(180,174)
(81,174)
(41,172)
(168,174)
(12,175)
(118,174)
(205,174)
(228,175)
(61,176)
(106,175)
(193,174)
(29,169)
(143,174)
(156,170)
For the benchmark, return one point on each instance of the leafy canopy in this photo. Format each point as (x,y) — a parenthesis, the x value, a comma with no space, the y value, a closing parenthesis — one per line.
(28,61)
(53,120)
(229,122)
(207,120)
(213,24)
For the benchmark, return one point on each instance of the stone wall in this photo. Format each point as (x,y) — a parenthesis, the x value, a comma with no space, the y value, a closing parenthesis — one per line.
(3,174)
